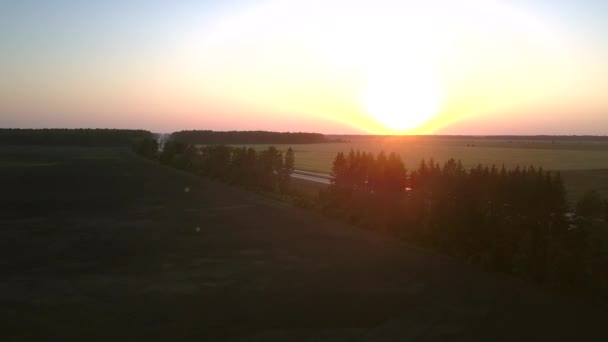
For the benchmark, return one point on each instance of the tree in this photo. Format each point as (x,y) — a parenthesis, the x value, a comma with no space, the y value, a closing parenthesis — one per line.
(171,150)
(247,137)
(146,147)
(289,165)
(287,170)
(395,174)
(338,171)
(269,166)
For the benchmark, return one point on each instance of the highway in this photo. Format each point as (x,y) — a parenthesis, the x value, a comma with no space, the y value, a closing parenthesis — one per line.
(312,176)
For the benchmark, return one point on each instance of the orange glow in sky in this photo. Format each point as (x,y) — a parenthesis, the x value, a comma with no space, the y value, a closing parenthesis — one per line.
(456,67)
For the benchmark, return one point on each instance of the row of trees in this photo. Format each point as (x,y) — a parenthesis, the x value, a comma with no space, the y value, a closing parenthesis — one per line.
(76,137)
(515,221)
(147,147)
(267,169)
(246,137)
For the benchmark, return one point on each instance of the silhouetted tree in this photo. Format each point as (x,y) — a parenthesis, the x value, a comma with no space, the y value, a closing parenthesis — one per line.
(287,170)
(339,173)
(246,137)
(266,169)
(146,147)
(506,220)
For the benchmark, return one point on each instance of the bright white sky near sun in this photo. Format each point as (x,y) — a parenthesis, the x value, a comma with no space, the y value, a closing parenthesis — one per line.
(454,67)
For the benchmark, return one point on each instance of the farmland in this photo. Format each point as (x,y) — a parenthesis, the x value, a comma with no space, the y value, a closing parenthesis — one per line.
(583,164)
(98,244)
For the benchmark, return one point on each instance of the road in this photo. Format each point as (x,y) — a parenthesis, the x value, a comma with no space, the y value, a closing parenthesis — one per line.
(311,176)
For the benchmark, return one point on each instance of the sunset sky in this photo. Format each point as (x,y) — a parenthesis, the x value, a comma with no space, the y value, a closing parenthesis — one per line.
(445,67)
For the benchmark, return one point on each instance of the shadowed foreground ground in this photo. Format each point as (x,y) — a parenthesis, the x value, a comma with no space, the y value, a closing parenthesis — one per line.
(100,245)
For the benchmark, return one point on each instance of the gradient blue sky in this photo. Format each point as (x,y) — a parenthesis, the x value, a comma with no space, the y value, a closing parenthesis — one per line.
(169,65)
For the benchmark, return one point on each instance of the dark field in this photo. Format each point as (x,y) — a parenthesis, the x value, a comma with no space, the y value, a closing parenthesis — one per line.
(98,244)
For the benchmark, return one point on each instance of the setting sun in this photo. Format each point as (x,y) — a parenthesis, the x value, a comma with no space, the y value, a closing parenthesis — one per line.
(402,98)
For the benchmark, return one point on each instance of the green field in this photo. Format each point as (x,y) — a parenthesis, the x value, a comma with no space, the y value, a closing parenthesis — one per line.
(583,164)
(99,244)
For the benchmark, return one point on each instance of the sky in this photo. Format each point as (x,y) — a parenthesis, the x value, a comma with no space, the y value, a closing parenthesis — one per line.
(333,66)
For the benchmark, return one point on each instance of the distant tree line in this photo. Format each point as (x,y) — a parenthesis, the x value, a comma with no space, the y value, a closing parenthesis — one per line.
(515,221)
(524,138)
(76,137)
(268,169)
(246,137)
(570,138)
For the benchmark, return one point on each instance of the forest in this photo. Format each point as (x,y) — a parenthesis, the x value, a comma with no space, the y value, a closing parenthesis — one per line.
(207,137)
(268,170)
(515,221)
(79,137)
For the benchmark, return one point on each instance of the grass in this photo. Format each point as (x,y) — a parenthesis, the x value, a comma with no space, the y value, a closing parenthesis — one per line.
(305,188)
(578,182)
(584,164)
(98,244)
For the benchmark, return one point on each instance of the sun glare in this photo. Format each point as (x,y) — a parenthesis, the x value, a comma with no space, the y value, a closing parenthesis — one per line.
(384,69)
(402,97)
